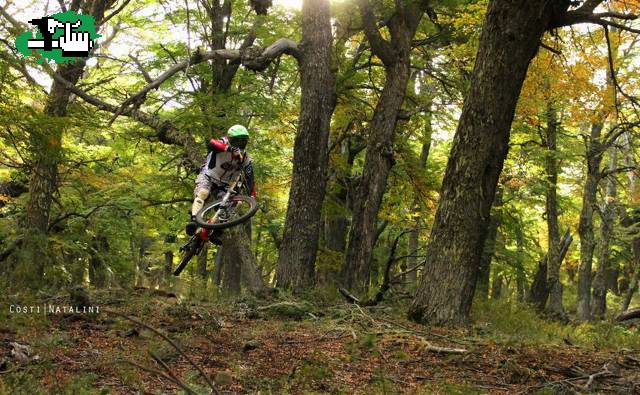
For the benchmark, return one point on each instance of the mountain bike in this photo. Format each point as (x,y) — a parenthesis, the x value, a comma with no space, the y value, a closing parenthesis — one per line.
(234,208)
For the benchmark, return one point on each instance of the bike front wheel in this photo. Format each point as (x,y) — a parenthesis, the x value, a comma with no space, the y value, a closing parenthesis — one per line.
(237,210)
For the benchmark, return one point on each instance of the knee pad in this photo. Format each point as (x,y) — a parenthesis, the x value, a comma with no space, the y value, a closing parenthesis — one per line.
(198,202)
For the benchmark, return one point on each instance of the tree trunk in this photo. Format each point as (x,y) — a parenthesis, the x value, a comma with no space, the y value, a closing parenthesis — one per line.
(635,281)
(585,226)
(554,308)
(201,267)
(496,285)
(231,273)
(415,234)
(216,276)
(539,292)
(243,262)
(484,271)
(378,162)
(168,267)
(607,218)
(342,191)
(510,37)
(336,227)
(521,279)
(379,157)
(46,150)
(97,267)
(297,254)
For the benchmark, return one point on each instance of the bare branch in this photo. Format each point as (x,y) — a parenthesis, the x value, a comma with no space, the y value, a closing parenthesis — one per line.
(62,6)
(250,57)
(115,12)
(612,70)
(144,72)
(166,132)
(170,373)
(617,131)
(76,214)
(159,373)
(624,169)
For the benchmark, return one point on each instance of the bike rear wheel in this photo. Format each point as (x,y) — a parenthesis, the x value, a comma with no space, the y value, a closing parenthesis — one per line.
(239,209)
(192,248)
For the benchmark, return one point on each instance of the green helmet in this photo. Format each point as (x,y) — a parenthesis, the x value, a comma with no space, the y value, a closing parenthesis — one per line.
(238,131)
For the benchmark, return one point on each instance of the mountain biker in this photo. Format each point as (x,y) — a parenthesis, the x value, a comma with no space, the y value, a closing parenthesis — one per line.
(227,157)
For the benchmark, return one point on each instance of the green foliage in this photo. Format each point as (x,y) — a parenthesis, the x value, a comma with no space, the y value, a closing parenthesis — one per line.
(518,324)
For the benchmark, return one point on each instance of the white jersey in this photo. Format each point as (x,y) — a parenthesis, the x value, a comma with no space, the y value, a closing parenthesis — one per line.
(222,168)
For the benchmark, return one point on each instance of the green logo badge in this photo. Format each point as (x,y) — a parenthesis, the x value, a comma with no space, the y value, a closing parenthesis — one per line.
(61,37)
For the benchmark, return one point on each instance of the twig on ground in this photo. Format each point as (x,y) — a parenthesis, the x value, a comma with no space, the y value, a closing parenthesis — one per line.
(169,372)
(173,344)
(161,374)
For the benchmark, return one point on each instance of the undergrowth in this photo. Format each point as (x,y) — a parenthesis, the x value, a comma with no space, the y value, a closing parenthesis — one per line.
(517,323)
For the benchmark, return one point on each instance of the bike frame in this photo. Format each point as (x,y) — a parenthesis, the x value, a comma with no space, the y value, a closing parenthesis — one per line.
(204,233)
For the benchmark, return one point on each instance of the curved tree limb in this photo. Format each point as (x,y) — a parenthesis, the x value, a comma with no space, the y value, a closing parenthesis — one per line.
(252,58)
(379,46)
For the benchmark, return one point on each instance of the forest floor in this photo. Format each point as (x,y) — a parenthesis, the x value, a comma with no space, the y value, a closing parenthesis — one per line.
(286,346)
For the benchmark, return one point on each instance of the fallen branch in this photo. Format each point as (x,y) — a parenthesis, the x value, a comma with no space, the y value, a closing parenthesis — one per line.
(387,281)
(171,342)
(158,373)
(444,350)
(170,373)
(629,315)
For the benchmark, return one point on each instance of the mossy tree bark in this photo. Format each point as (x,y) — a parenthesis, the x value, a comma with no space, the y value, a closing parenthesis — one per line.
(510,38)
(594,153)
(607,219)
(396,57)
(46,154)
(554,307)
(482,289)
(297,253)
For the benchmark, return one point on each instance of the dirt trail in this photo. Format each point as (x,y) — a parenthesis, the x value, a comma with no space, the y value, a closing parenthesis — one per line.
(249,350)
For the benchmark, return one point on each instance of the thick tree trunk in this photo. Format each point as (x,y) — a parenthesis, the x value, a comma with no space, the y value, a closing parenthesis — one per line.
(635,281)
(231,273)
(509,40)
(496,285)
(241,264)
(585,226)
(396,56)
(555,307)
(46,150)
(168,267)
(378,162)
(216,275)
(201,267)
(484,271)
(607,218)
(98,273)
(297,253)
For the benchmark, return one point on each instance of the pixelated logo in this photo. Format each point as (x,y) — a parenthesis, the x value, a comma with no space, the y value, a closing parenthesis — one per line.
(61,37)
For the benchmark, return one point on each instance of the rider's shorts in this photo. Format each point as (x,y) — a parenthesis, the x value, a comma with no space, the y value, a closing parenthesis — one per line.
(203,181)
